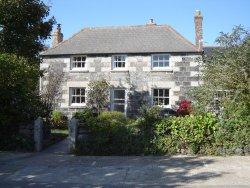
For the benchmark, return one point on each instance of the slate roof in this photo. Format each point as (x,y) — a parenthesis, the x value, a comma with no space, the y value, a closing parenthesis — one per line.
(208,50)
(124,39)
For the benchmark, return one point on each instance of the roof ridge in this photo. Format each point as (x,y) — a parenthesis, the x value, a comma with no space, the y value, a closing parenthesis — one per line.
(120,26)
(182,37)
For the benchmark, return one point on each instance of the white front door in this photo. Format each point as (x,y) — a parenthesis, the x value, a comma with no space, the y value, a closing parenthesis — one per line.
(118,101)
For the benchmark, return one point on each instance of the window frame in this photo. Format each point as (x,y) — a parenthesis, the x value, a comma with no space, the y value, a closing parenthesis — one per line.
(75,104)
(158,67)
(113,61)
(162,97)
(72,62)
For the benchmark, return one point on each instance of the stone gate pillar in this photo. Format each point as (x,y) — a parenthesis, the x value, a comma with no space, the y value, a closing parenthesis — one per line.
(73,126)
(38,134)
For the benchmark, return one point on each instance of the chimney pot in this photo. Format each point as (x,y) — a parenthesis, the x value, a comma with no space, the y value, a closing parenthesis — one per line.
(151,22)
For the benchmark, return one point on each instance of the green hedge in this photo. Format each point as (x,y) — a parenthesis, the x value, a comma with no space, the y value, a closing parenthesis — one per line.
(111,133)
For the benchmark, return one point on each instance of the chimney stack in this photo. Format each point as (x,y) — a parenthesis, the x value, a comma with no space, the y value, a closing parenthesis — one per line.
(57,36)
(198,30)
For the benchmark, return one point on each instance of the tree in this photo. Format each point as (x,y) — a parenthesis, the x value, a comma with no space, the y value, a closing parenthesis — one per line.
(19,99)
(98,95)
(51,91)
(226,72)
(23,27)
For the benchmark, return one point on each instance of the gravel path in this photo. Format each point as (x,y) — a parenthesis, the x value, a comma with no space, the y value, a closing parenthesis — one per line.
(55,168)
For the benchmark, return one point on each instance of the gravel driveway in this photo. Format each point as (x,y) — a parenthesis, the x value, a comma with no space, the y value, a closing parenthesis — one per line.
(55,168)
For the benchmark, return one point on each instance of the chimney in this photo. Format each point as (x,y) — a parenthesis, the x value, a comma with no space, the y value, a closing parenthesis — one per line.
(198,30)
(57,36)
(151,22)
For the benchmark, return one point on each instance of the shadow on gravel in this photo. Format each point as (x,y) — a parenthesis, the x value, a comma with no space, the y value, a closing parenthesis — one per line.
(140,171)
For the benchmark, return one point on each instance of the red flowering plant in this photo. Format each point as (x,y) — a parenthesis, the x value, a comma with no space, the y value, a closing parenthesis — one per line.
(185,108)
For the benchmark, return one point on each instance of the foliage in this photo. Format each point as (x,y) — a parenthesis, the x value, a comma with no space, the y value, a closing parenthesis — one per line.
(190,133)
(19,99)
(51,91)
(226,70)
(98,95)
(24,27)
(16,142)
(162,141)
(185,108)
(112,118)
(110,135)
(18,84)
(58,120)
(234,129)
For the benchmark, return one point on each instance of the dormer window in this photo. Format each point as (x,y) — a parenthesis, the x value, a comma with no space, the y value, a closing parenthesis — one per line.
(118,61)
(78,62)
(160,60)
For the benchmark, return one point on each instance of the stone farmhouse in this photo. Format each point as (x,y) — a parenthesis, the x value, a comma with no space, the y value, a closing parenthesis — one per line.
(147,63)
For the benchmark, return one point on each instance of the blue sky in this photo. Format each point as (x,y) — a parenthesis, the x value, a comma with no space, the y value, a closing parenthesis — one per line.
(219,15)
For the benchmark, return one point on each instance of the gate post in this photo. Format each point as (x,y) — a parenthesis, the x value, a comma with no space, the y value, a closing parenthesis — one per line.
(38,134)
(73,126)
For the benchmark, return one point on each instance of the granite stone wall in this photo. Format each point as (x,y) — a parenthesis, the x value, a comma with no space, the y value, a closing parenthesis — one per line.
(138,78)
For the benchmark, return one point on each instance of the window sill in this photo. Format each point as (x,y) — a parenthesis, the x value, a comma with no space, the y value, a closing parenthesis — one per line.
(77,106)
(161,70)
(79,70)
(119,70)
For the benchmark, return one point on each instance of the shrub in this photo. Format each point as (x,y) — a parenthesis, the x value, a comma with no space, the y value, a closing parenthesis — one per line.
(162,142)
(112,118)
(191,133)
(58,120)
(110,134)
(233,136)
(185,108)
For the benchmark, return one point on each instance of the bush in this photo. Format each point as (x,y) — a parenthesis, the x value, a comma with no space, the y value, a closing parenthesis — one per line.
(112,118)
(185,108)
(191,133)
(233,136)
(58,120)
(162,142)
(110,134)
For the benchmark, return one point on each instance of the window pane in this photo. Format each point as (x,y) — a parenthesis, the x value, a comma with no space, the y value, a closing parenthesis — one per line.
(166,57)
(74,58)
(83,58)
(119,94)
(78,58)
(77,91)
(156,92)
(155,64)
(73,100)
(82,91)
(166,101)
(119,108)
(166,64)
(161,92)
(160,64)
(155,58)
(160,101)
(77,99)
(160,57)
(166,92)
(82,99)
